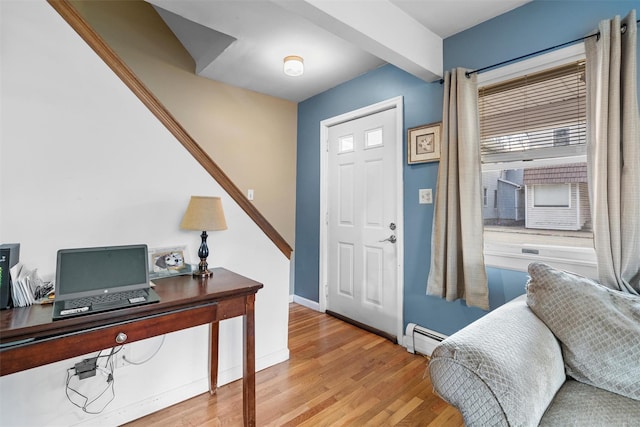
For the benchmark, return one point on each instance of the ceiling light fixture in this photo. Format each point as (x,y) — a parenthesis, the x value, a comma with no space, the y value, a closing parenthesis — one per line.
(293,66)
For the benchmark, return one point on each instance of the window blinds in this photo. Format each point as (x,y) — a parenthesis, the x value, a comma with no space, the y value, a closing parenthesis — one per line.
(536,116)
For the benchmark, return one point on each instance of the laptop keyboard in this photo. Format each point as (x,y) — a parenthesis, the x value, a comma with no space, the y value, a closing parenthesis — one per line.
(106,299)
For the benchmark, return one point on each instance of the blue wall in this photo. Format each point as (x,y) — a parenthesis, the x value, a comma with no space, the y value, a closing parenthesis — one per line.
(534,26)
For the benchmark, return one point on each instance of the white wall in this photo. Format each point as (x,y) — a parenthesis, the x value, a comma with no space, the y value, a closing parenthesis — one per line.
(84,163)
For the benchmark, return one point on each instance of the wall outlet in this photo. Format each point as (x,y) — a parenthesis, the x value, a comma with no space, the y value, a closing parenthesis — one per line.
(250,194)
(425,196)
(121,356)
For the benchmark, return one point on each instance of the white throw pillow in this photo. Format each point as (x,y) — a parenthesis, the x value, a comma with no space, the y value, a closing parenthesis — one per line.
(598,328)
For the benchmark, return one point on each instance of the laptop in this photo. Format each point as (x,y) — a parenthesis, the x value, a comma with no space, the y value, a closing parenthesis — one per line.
(93,280)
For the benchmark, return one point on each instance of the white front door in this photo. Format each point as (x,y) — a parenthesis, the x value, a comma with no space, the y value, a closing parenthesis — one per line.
(362,203)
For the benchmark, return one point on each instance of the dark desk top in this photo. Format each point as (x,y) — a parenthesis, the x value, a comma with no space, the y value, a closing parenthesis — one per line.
(27,323)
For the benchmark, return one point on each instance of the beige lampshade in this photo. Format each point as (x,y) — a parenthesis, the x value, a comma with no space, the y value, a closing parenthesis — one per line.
(204,214)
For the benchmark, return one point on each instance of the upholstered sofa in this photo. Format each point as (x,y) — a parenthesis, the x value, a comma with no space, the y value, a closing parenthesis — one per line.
(565,354)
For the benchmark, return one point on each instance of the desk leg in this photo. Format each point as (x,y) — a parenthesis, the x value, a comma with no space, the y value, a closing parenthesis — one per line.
(249,364)
(213,357)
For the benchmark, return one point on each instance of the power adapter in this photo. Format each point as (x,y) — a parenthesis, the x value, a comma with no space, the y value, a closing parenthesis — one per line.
(86,368)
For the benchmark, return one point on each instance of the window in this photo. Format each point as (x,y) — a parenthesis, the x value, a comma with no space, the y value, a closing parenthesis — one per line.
(535,116)
(373,138)
(533,147)
(484,197)
(345,144)
(551,196)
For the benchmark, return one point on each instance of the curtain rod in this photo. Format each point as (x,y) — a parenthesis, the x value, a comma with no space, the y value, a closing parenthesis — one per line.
(480,70)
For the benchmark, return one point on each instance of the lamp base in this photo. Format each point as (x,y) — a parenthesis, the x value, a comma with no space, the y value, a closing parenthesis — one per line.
(203,269)
(202,274)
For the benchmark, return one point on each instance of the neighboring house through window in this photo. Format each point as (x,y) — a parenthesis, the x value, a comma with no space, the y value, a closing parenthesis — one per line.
(533,146)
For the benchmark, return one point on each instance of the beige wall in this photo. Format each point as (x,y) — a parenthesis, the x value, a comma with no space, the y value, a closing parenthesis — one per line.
(251,136)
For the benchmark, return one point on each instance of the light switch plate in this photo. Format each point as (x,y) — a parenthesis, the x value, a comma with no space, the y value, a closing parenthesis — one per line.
(250,194)
(425,196)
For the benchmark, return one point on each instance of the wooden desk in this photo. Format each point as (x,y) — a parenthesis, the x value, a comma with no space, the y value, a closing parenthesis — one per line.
(30,338)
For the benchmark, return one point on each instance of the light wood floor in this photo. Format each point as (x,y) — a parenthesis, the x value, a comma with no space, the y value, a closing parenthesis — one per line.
(337,375)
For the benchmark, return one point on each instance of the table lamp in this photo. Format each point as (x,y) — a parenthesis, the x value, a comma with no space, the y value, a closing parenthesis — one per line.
(204,213)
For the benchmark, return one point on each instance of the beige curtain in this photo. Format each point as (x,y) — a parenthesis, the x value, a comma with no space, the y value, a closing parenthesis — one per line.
(457,259)
(613,141)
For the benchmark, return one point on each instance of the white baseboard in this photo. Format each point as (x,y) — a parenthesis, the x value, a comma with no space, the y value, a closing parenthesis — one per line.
(235,373)
(306,302)
(148,406)
(155,403)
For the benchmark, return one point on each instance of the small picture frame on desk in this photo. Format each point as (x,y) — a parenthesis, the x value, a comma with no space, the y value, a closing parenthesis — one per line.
(423,143)
(166,262)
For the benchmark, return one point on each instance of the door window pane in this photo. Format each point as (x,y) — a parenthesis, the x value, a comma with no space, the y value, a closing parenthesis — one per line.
(345,144)
(373,138)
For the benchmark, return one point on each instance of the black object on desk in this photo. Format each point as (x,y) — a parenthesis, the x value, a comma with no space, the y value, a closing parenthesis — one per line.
(9,256)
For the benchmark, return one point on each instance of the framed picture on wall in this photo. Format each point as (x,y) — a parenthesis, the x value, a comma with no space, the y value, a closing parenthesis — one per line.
(423,143)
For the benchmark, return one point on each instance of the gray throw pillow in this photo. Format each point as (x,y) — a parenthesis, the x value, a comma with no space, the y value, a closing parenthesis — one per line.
(598,328)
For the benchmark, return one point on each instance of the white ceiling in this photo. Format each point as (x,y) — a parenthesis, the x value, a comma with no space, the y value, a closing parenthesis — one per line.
(243,42)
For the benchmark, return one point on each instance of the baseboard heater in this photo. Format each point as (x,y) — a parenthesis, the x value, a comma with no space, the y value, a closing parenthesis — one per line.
(419,339)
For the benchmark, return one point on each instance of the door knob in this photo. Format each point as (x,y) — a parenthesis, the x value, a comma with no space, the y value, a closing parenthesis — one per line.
(392,226)
(391,239)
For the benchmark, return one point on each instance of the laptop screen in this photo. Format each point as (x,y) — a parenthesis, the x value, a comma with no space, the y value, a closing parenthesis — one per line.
(92,271)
